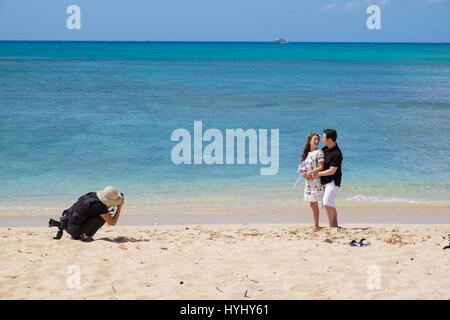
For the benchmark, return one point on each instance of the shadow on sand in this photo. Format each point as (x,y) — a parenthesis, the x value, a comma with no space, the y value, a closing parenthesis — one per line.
(123,239)
(341,228)
(356,228)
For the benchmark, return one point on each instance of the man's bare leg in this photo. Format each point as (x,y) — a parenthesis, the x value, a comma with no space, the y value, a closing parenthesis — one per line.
(335,218)
(332,216)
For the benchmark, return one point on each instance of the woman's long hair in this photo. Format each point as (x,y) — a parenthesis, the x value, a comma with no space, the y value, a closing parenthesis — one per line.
(307,147)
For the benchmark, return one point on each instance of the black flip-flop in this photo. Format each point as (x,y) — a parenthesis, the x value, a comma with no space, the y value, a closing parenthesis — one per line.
(353,243)
(361,243)
(448,247)
(364,242)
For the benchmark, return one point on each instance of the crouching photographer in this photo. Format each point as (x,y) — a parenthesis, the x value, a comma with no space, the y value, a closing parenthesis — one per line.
(89,214)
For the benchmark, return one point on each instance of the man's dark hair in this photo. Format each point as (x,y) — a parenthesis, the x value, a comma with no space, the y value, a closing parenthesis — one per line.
(331,134)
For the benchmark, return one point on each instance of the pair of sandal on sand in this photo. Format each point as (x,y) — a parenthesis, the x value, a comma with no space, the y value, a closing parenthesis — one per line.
(447,247)
(361,243)
(365,242)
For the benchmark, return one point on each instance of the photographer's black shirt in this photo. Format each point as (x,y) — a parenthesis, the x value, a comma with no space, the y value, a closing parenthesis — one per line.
(86,206)
(333,158)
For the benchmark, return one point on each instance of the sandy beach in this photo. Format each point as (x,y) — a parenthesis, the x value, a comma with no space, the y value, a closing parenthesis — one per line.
(228,261)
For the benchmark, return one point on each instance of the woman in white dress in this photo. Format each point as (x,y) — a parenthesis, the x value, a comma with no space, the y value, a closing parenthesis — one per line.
(313,161)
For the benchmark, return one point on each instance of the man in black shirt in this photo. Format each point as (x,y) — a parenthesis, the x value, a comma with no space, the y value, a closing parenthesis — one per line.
(331,175)
(89,213)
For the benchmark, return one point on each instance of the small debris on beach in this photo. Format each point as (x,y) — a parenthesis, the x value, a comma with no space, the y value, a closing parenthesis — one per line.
(247,277)
(219,289)
(397,239)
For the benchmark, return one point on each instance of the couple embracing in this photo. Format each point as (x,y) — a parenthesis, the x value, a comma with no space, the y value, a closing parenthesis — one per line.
(322,173)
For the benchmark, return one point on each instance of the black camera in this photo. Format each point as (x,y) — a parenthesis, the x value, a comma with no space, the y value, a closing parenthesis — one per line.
(54,223)
(61,225)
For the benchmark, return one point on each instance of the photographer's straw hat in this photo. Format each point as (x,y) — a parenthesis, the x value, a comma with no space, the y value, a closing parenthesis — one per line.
(110,196)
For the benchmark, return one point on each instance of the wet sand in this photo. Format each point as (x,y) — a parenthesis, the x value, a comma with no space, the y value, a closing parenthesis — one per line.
(354,214)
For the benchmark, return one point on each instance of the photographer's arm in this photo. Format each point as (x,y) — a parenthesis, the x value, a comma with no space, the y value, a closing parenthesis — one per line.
(113,220)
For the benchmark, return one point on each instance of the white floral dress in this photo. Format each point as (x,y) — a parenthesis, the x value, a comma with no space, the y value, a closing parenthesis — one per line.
(313,187)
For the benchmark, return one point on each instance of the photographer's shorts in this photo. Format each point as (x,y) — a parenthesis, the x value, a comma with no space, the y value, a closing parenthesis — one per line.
(329,194)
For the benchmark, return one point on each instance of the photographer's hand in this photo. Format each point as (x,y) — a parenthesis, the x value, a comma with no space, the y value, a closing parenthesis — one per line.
(113,220)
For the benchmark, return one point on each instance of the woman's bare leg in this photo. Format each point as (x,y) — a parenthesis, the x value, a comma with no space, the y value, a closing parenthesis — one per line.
(315,208)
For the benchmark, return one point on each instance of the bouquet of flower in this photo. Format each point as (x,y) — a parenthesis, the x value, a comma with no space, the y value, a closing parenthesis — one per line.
(301,169)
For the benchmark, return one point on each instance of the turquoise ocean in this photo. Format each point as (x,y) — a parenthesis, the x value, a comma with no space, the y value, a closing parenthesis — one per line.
(77,116)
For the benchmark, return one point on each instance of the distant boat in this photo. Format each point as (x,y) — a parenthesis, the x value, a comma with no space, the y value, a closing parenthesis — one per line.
(281,40)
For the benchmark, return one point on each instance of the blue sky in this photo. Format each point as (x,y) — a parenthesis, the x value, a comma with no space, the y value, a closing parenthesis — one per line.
(226,20)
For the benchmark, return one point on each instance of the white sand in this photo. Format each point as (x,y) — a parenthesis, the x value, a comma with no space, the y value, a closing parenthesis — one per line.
(227,262)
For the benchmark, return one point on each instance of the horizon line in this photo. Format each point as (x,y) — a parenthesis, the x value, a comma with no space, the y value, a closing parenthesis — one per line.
(219,41)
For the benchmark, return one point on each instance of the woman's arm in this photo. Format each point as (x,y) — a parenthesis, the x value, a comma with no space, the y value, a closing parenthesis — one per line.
(313,173)
(318,169)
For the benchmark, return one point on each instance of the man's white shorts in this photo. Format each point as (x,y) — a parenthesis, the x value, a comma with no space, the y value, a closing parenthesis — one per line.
(329,194)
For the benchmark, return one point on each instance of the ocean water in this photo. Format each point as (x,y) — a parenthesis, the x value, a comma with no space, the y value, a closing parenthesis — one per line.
(77,116)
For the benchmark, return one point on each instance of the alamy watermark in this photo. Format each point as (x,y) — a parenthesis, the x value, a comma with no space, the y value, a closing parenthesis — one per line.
(213,152)
(374,278)
(74,280)
(374,20)
(74,20)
